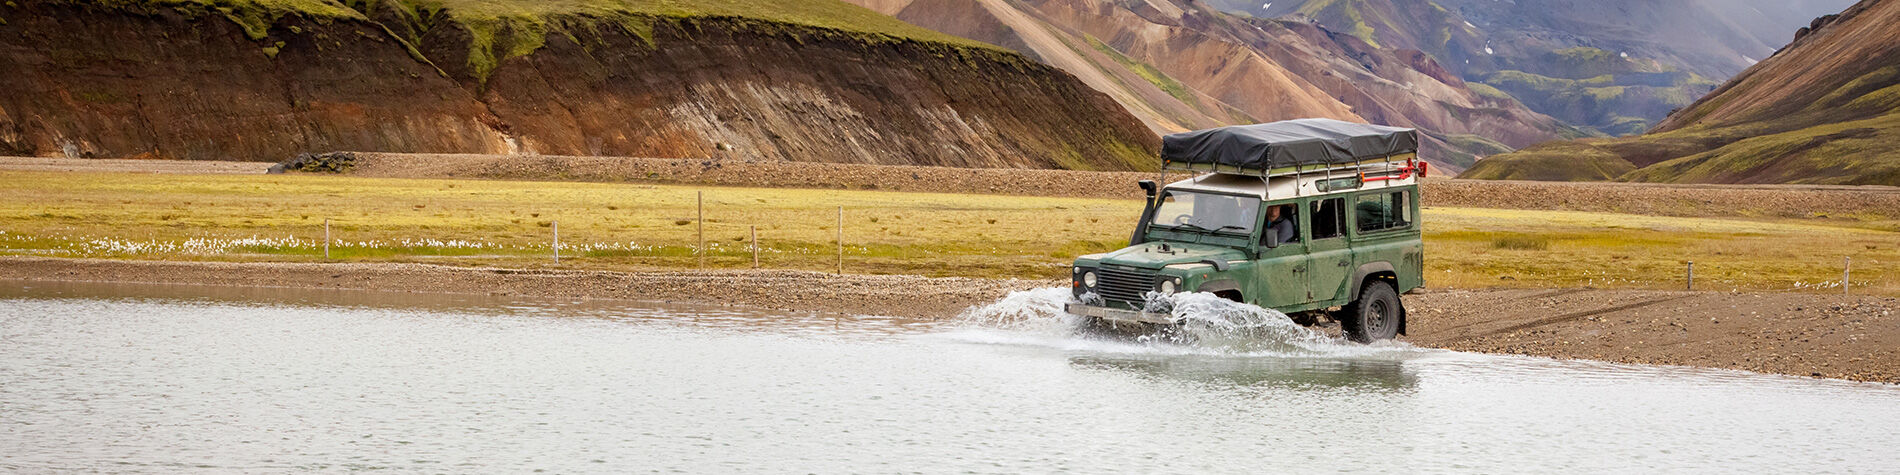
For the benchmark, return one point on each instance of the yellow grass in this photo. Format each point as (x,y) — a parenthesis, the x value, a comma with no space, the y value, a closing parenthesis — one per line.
(630,226)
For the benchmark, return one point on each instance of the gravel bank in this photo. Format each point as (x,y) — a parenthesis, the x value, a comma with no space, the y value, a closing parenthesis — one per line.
(1817,335)
(188,167)
(900,296)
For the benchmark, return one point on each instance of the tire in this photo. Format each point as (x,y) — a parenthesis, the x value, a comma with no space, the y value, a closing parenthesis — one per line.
(1376,316)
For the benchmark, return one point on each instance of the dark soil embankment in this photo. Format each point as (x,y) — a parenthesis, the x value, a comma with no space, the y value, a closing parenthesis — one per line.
(265,81)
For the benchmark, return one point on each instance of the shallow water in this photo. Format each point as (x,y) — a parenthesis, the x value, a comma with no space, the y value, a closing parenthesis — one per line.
(130,378)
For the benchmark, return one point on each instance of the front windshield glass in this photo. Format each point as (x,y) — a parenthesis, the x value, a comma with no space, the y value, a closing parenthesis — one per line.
(1190,211)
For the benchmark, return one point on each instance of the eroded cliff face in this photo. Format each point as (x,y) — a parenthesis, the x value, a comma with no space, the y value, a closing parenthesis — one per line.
(181,83)
(88,81)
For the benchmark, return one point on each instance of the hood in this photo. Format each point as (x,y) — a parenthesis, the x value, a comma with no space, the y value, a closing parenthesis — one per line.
(1150,255)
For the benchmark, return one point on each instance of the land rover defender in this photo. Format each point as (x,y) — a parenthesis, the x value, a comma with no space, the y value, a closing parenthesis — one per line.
(1348,192)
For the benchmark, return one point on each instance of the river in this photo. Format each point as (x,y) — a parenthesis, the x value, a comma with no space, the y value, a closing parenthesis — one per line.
(168,378)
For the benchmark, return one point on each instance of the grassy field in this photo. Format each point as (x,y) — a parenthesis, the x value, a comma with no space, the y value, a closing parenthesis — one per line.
(634,227)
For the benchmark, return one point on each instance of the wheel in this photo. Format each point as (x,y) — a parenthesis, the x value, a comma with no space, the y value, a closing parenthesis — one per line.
(1375,316)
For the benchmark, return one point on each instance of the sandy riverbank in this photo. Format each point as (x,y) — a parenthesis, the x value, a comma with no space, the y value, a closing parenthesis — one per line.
(1855,338)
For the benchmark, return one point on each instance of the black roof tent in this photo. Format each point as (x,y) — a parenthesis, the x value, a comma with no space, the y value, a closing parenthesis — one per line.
(1268,148)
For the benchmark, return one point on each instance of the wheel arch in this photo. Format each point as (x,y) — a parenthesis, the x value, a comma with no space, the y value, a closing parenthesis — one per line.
(1228,288)
(1381,271)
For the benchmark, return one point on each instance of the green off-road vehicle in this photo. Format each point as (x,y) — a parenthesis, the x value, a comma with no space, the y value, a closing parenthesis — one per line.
(1313,218)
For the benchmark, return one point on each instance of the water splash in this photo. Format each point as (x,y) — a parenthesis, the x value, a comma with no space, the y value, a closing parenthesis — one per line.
(1210,325)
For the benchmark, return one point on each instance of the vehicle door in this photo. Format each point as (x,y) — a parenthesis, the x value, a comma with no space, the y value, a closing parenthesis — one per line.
(1383,226)
(1281,272)
(1329,255)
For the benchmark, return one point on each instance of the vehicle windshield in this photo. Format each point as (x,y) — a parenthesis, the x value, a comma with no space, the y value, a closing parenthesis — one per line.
(1190,211)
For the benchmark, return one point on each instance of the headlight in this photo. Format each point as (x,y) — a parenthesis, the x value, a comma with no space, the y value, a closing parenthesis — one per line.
(1167,286)
(1088,279)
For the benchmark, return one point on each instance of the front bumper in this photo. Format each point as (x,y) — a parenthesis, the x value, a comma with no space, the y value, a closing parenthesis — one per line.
(1118,315)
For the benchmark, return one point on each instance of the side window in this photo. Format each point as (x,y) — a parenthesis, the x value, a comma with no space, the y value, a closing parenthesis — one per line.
(1329,218)
(1283,224)
(1381,211)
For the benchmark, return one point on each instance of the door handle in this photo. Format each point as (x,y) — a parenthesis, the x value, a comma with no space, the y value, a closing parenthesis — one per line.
(1344,263)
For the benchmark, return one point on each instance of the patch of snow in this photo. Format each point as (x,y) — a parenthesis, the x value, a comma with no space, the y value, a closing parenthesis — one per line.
(1625,54)
(1750,61)
(1468,23)
(1488,50)
(1268,5)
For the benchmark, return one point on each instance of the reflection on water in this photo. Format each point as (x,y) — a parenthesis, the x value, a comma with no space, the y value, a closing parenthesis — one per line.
(142,378)
(1287,373)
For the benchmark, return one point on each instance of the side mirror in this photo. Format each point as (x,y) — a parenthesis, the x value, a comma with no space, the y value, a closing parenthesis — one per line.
(1270,242)
(1148,186)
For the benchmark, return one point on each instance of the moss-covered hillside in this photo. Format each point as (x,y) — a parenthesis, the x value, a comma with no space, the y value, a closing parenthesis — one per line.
(1824,111)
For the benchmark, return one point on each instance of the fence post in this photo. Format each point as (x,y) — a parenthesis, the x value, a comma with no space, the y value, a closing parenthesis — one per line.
(1691,277)
(1847,270)
(755,247)
(701,222)
(557,241)
(840,240)
(326,239)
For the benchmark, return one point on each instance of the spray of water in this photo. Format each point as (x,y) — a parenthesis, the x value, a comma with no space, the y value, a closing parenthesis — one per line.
(1209,325)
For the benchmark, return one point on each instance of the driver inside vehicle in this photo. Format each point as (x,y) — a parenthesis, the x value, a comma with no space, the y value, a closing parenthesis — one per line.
(1280,226)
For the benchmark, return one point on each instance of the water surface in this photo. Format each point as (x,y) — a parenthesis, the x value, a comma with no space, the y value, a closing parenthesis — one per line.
(132,378)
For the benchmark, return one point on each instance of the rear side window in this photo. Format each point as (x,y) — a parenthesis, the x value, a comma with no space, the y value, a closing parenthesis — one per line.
(1329,218)
(1381,211)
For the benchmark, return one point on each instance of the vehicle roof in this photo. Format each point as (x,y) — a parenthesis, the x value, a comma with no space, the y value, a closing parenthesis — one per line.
(1280,187)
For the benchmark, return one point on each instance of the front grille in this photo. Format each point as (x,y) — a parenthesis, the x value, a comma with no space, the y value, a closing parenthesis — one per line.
(1124,285)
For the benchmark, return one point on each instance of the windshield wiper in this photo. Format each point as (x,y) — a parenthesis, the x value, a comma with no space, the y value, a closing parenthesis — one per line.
(1215,230)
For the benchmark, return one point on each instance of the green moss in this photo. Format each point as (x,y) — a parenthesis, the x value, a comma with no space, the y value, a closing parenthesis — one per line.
(1604,94)
(1621,126)
(1343,15)
(1147,72)
(1583,54)
(1486,90)
(1874,91)
(1552,161)
(1862,152)
(272,50)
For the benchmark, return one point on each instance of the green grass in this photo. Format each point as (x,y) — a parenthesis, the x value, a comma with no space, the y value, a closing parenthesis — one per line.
(1521,243)
(637,227)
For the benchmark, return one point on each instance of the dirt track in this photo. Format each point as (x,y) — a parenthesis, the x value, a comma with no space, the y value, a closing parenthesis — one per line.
(1798,334)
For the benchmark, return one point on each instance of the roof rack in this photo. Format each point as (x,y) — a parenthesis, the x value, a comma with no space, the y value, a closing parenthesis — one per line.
(1384,170)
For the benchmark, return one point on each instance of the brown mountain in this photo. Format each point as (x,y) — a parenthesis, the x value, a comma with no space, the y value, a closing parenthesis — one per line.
(801,80)
(1615,66)
(1181,65)
(1825,110)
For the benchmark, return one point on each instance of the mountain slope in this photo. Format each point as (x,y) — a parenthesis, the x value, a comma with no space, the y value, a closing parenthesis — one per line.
(801,80)
(1181,65)
(1825,110)
(1615,66)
